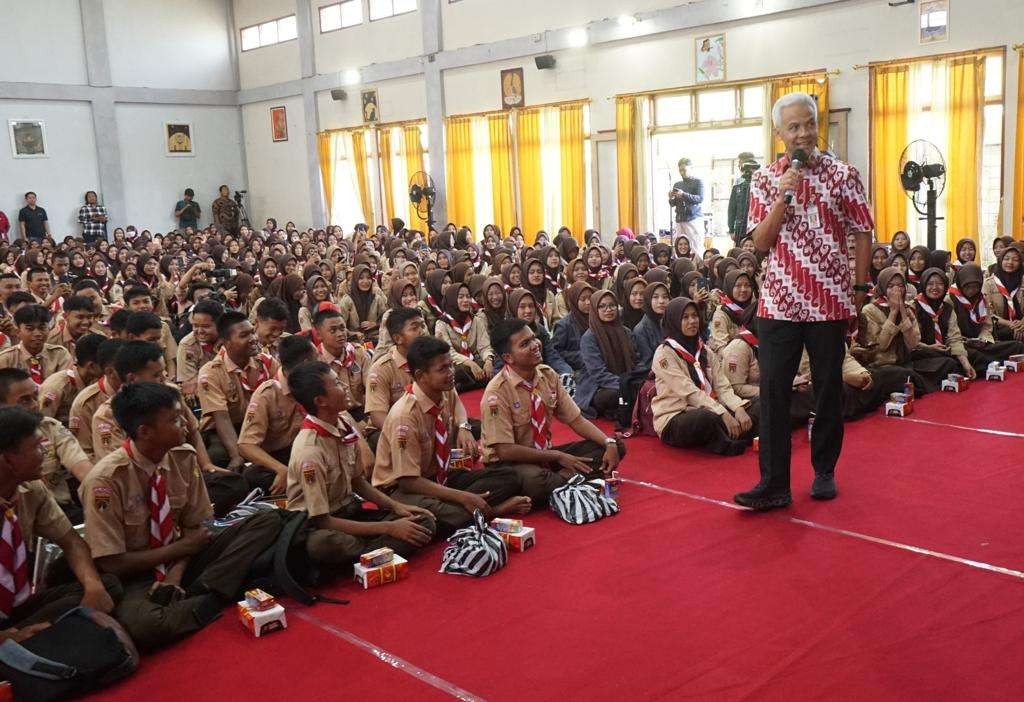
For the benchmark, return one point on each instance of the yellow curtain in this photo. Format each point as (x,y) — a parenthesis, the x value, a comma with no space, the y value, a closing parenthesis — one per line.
(531,178)
(1018,170)
(888,120)
(966,105)
(574,176)
(359,159)
(815,85)
(385,175)
(461,203)
(412,146)
(325,146)
(626,126)
(502,178)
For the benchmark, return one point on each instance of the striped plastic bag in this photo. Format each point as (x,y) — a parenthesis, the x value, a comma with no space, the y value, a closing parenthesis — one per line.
(580,502)
(476,550)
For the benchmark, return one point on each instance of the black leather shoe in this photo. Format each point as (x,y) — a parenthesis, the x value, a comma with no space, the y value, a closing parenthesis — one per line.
(761,499)
(824,487)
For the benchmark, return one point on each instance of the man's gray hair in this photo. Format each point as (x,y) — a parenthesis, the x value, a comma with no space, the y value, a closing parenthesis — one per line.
(789,100)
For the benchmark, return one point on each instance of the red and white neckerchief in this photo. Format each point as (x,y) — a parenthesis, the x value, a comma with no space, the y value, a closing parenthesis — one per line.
(730,304)
(922,302)
(977,311)
(694,361)
(14,584)
(913,277)
(601,274)
(102,385)
(346,359)
(538,417)
(346,434)
(35,369)
(462,331)
(957,264)
(161,524)
(1011,313)
(73,377)
(748,336)
(57,305)
(150,282)
(438,312)
(553,282)
(263,366)
(442,451)
(3,340)
(207,347)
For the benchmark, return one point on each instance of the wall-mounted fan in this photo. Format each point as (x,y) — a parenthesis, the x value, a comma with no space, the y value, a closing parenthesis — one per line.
(423,195)
(922,164)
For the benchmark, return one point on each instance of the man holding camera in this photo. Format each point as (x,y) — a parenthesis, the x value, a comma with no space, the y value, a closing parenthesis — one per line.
(686,196)
(187,211)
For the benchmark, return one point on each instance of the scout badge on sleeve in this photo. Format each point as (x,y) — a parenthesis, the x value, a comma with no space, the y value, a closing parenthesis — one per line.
(101,497)
(580,502)
(476,550)
(492,404)
(309,472)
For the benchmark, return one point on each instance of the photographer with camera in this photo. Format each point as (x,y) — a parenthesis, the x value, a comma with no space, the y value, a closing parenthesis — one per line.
(187,211)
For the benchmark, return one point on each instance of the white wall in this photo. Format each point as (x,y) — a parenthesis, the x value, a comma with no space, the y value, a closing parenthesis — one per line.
(398,100)
(387,39)
(180,44)
(61,179)
(42,42)
(278,184)
(154,182)
(269,64)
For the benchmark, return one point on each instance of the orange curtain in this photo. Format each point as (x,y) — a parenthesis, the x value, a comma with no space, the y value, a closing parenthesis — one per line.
(412,146)
(385,175)
(815,85)
(502,177)
(531,178)
(888,119)
(966,106)
(459,151)
(574,176)
(1018,170)
(359,161)
(626,134)
(326,149)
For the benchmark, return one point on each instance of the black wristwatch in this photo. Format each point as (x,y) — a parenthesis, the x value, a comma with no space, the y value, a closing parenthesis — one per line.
(862,287)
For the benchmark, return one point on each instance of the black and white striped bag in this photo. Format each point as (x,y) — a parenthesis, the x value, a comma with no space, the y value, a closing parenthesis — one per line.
(476,550)
(580,502)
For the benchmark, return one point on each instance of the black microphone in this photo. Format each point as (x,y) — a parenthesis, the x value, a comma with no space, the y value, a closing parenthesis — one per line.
(799,159)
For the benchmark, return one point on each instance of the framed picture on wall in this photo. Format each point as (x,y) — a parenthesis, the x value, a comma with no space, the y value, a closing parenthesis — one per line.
(179,139)
(371,110)
(512,93)
(279,123)
(710,58)
(837,132)
(28,138)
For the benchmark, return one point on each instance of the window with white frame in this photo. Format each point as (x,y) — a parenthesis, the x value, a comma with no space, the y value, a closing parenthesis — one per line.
(269,33)
(382,9)
(341,15)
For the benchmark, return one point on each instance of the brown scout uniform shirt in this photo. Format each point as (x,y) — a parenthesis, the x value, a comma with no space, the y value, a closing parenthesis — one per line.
(107,434)
(115,496)
(81,413)
(678,393)
(505,409)
(273,417)
(324,460)
(221,388)
(58,392)
(191,357)
(60,451)
(59,336)
(52,358)
(38,513)
(406,445)
(352,374)
(386,381)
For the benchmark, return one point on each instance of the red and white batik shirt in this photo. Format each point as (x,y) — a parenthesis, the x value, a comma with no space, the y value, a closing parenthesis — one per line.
(807,278)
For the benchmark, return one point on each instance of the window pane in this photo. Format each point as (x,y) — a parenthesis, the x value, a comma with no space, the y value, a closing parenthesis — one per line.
(993,76)
(716,105)
(330,18)
(380,9)
(287,28)
(268,33)
(404,6)
(250,38)
(993,125)
(753,102)
(672,109)
(351,13)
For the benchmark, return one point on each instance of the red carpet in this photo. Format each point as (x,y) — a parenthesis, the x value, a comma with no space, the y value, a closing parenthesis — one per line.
(679,597)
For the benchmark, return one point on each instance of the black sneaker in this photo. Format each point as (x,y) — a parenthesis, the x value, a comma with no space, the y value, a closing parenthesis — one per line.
(824,487)
(761,499)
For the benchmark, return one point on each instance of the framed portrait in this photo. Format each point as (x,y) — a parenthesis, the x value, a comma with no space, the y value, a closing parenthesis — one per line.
(837,132)
(179,139)
(371,111)
(512,93)
(279,123)
(710,58)
(28,138)
(934,21)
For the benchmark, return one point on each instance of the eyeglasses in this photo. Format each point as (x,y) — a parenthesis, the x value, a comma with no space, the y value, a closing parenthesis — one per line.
(607,308)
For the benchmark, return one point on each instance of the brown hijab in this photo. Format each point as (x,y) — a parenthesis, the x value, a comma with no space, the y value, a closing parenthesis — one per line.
(395,293)
(284,289)
(614,340)
(572,296)
(361,300)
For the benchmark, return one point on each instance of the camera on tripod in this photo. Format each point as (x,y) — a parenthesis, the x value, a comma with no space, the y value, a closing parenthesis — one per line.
(239,194)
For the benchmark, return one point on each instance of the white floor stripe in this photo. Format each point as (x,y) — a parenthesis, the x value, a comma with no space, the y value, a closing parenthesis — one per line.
(995,432)
(842,532)
(389,658)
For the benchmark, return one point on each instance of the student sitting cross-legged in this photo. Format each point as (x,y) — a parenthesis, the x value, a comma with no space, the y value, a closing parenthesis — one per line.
(327,465)
(414,451)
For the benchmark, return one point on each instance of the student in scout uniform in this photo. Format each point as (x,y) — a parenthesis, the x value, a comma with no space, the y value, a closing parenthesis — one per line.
(226,385)
(85,404)
(271,320)
(413,455)
(326,466)
(141,361)
(695,406)
(63,458)
(197,348)
(350,362)
(1004,295)
(139,298)
(29,510)
(363,306)
(145,508)
(737,295)
(273,417)
(466,333)
(973,320)
(402,294)
(389,374)
(76,319)
(58,392)
(33,354)
(517,409)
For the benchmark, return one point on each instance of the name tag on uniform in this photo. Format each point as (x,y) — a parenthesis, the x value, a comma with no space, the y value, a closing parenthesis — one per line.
(812,216)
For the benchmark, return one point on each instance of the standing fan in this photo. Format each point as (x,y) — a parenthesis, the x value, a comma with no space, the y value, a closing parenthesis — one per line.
(922,163)
(423,195)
